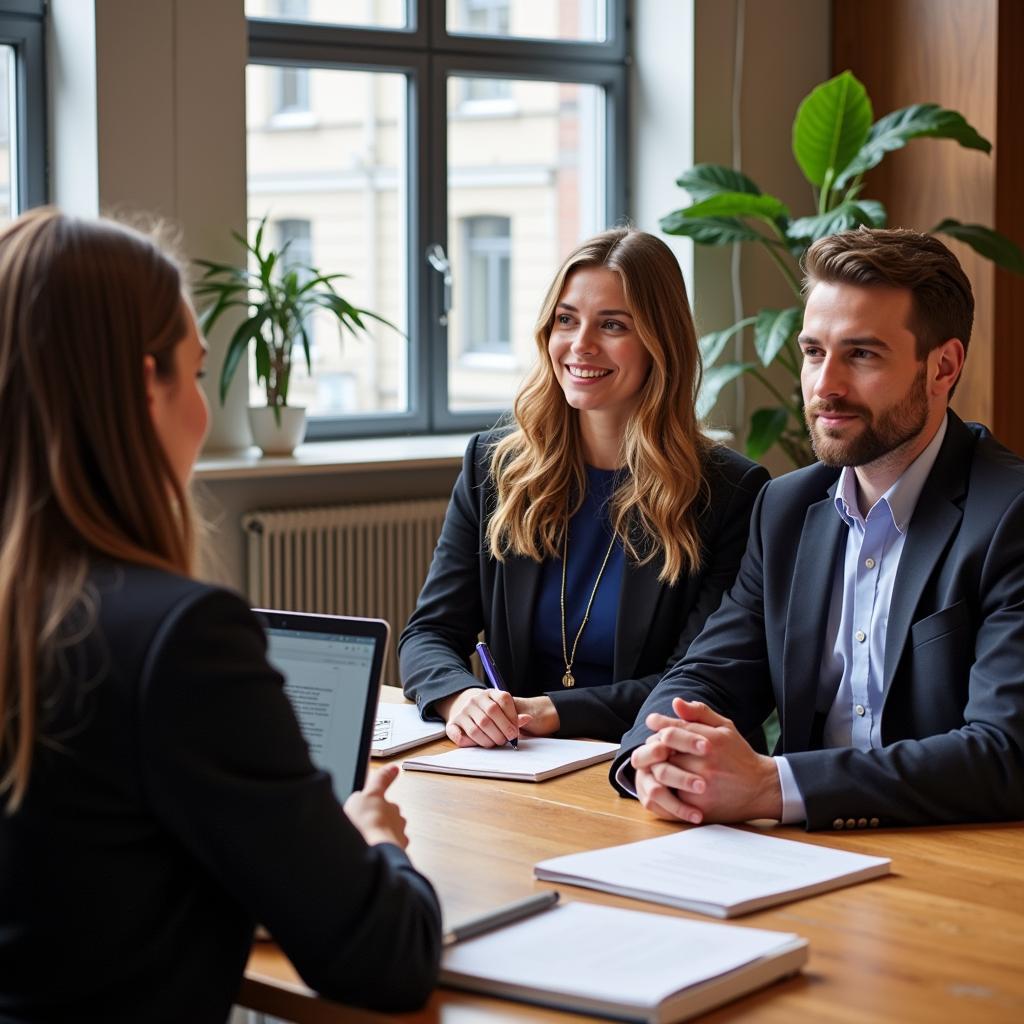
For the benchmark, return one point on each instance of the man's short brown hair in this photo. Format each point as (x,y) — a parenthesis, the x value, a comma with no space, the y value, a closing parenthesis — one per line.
(942,301)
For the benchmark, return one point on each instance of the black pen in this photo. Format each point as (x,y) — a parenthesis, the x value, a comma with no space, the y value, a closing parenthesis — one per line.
(493,675)
(499,918)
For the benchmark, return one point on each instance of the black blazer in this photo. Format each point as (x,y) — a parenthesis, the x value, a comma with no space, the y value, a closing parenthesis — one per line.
(171,806)
(467,591)
(953,712)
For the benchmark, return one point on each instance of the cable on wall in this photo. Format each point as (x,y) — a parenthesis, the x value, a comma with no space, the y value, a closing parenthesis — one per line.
(737,158)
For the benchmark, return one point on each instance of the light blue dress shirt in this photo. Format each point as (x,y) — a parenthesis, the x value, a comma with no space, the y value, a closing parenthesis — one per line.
(854,653)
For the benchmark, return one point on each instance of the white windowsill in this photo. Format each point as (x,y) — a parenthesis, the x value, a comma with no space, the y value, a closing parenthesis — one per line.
(426,451)
(423,451)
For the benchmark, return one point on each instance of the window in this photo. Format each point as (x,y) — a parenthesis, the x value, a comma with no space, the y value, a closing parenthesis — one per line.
(292,90)
(488,245)
(297,237)
(22,106)
(447,157)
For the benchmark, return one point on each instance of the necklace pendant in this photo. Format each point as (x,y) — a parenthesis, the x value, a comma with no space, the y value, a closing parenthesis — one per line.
(568,680)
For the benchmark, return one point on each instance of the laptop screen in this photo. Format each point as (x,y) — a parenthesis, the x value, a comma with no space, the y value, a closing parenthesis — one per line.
(331,677)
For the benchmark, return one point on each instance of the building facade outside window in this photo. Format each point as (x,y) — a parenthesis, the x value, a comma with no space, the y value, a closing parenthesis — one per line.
(489,132)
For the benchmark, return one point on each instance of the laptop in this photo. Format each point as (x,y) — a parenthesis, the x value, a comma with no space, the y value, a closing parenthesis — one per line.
(331,666)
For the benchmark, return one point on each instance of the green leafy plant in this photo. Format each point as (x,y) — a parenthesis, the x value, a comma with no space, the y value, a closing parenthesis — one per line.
(278,296)
(835,142)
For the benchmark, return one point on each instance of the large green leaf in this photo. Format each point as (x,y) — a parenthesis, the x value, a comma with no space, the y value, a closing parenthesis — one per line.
(773,328)
(991,244)
(895,130)
(876,211)
(844,217)
(708,230)
(713,344)
(831,125)
(714,380)
(738,204)
(246,331)
(706,180)
(766,426)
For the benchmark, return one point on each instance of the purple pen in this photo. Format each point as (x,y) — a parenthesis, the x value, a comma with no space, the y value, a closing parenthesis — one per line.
(493,675)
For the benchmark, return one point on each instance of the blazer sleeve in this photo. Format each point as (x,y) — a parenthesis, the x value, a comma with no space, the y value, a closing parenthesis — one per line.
(435,647)
(606,712)
(726,666)
(228,773)
(972,773)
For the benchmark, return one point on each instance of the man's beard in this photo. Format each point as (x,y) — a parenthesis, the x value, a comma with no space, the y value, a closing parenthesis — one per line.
(882,433)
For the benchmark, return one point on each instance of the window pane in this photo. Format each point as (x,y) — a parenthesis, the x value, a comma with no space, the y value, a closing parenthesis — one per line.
(525,185)
(364,13)
(8,162)
(332,184)
(576,20)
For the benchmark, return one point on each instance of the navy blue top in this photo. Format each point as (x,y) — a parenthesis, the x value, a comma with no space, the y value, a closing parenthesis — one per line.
(590,533)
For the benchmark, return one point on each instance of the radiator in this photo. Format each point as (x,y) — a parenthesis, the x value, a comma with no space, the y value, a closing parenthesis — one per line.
(367,560)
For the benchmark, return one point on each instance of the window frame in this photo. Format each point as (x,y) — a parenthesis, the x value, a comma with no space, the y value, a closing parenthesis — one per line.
(426,54)
(22,27)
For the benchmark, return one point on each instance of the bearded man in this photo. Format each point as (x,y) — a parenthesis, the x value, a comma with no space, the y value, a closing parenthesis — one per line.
(880,604)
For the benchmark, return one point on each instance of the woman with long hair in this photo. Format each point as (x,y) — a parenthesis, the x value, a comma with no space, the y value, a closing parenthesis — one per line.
(156,796)
(589,541)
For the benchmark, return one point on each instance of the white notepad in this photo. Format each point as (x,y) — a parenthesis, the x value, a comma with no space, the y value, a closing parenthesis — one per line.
(399,727)
(714,870)
(622,963)
(537,758)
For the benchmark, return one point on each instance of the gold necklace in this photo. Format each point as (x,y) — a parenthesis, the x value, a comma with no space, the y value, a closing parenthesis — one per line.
(569,679)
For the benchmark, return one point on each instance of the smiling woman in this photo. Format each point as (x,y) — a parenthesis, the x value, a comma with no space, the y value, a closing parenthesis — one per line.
(590,540)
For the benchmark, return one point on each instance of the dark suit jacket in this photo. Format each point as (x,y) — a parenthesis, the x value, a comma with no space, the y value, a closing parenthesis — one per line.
(467,591)
(172,805)
(953,712)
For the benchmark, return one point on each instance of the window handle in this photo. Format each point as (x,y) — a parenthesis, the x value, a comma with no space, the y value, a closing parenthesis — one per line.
(436,257)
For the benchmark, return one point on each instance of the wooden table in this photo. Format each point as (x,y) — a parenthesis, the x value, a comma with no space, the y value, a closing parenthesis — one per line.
(940,942)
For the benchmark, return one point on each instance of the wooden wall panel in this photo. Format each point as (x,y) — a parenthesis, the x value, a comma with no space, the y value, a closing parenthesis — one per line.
(962,54)
(1008,327)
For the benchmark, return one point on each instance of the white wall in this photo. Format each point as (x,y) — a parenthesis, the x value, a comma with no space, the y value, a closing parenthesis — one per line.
(147,115)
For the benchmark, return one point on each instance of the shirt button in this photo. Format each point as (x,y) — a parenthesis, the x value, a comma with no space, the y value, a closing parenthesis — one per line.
(860,636)
(838,823)
(860,710)
(873,823)
(869,563)
(862,823)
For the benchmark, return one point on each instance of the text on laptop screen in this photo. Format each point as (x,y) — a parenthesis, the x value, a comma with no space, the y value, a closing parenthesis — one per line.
(326,678)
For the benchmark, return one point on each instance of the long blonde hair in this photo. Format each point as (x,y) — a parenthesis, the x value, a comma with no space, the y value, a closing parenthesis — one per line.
(82,471)
(538,468)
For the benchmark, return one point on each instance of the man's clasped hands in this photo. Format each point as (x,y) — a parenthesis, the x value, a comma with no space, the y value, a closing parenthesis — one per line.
(698,768)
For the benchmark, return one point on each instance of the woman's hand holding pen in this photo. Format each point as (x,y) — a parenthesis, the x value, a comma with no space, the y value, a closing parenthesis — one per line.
(481,718)
(490,718)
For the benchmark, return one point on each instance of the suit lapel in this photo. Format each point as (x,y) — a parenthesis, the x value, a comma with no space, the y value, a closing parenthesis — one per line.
(521,580)
(810,596)
(638,601)
(935,519)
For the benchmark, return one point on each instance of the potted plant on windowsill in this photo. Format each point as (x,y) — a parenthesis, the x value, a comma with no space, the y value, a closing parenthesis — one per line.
(278,297)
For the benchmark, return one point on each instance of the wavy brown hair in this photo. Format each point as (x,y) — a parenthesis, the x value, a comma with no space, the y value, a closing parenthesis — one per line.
(82,472)
(538,468)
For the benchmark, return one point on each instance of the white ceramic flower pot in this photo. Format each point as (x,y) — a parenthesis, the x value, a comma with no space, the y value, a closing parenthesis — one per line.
(275,438)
